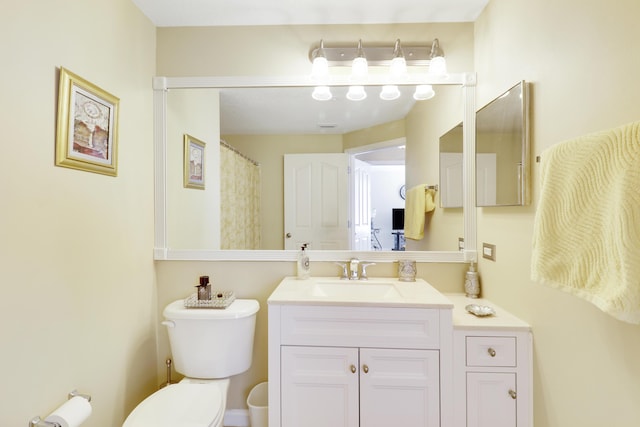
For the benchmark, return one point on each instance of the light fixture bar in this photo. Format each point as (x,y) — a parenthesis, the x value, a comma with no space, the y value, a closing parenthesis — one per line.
(377,55)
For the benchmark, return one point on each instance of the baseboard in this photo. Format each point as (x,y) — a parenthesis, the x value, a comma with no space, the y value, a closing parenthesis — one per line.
(236,418)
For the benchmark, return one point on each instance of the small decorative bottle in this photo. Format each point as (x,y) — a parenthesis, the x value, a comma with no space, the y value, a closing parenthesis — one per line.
(204,289)
(471,282)
(304,269)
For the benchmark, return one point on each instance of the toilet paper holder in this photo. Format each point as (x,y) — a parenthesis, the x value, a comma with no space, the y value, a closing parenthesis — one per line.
(39,422)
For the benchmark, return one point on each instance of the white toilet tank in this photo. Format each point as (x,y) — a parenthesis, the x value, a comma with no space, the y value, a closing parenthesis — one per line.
(211,343)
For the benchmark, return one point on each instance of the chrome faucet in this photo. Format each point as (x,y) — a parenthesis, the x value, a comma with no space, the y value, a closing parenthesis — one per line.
(353,269)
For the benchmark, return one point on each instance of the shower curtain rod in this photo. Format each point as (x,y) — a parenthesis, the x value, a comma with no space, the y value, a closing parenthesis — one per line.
(235,150)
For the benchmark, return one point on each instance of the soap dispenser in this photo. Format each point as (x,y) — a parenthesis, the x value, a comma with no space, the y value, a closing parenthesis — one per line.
(471,282)
(303,263)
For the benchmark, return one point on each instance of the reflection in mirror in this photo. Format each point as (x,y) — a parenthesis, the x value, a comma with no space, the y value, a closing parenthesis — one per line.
(502,153)
(190,224)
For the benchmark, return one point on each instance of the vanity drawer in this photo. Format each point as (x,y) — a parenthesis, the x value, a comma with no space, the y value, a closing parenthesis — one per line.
(360,327)
(491,351)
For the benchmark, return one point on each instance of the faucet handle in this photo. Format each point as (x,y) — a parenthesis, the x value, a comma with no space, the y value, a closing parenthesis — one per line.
(344,275)
(363,275)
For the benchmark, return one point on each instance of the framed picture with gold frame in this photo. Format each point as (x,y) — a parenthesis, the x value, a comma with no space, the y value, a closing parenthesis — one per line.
(87,126)
(193,162)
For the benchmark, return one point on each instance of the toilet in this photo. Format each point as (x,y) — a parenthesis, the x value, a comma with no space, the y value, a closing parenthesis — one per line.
(208,346)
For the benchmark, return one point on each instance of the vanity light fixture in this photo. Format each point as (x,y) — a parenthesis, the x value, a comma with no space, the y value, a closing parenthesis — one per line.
(397,58)
(320,67)
(438,65)
(398,67)
(359,66)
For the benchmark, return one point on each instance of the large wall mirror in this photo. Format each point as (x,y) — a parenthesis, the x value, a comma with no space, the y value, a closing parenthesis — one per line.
(502,153)
(190,222)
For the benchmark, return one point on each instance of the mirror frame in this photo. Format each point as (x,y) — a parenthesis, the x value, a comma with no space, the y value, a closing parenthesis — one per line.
(161,85)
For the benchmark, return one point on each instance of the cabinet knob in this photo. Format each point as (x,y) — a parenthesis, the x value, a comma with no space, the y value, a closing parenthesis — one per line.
(491,352)
(288,235)
(353,369)
(513,394)
(365,368)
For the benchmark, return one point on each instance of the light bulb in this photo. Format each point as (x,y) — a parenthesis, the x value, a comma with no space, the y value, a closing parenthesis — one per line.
(389,92)
(321,93)
(423,92)
(320,68)
(438,66)
(359,67)
(356,93)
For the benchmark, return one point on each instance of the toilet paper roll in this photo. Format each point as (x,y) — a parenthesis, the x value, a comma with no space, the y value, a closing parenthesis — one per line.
(72,413)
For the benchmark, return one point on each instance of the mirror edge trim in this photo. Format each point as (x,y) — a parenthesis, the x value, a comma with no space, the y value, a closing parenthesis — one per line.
(318,256)
(161,252)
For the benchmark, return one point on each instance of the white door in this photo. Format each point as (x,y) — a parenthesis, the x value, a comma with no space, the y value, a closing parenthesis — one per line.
(316,201)
(319,387)
(361,211)
(451,179)
(399,388)
(490,399)
(486,182)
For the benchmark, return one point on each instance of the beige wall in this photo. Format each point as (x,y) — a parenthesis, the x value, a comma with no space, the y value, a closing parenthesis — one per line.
(192,222)
(581,59)
(77,280)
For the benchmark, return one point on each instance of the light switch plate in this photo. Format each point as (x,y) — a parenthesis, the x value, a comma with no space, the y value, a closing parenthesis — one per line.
(489,251)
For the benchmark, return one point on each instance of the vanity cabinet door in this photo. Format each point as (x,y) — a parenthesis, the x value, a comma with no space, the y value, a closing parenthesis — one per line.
(319,386)
(399,388)
(491,399)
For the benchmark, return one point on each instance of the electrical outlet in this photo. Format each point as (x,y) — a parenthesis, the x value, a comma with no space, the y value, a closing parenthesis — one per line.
(489,251)
(460,243)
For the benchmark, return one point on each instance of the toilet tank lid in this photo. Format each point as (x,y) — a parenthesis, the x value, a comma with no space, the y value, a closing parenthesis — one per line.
(238,309)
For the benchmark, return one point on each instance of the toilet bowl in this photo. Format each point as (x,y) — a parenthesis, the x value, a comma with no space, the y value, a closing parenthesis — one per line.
(208,346)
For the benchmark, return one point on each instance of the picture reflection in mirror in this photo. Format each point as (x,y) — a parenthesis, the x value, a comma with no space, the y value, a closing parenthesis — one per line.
(502,154)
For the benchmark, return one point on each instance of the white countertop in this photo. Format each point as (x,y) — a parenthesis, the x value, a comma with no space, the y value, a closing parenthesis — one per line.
(462,319)
(418,294)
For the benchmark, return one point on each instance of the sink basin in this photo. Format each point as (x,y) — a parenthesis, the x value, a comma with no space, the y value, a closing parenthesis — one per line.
(389,292)
(354,290)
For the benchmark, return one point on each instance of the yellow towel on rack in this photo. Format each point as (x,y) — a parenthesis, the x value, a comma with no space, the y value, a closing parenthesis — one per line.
(586,238)
(419,200)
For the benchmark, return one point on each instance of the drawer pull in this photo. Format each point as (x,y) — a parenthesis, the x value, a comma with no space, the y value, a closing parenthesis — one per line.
(513,394)
(491,352)
(353,369)
(365,368)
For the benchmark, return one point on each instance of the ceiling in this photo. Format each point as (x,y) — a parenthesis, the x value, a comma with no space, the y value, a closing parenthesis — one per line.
(292,110)
(174,13)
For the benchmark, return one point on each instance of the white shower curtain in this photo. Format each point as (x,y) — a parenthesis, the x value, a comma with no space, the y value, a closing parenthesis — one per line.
(239,200)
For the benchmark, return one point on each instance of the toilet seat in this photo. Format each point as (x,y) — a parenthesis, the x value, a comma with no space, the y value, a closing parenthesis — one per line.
(182,404)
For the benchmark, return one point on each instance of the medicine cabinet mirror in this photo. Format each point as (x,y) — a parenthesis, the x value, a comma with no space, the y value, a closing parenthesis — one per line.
(502,154)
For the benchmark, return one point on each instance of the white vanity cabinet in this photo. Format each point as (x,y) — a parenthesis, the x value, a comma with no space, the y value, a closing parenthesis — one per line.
(350,387)
(354,365)
(491,368)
